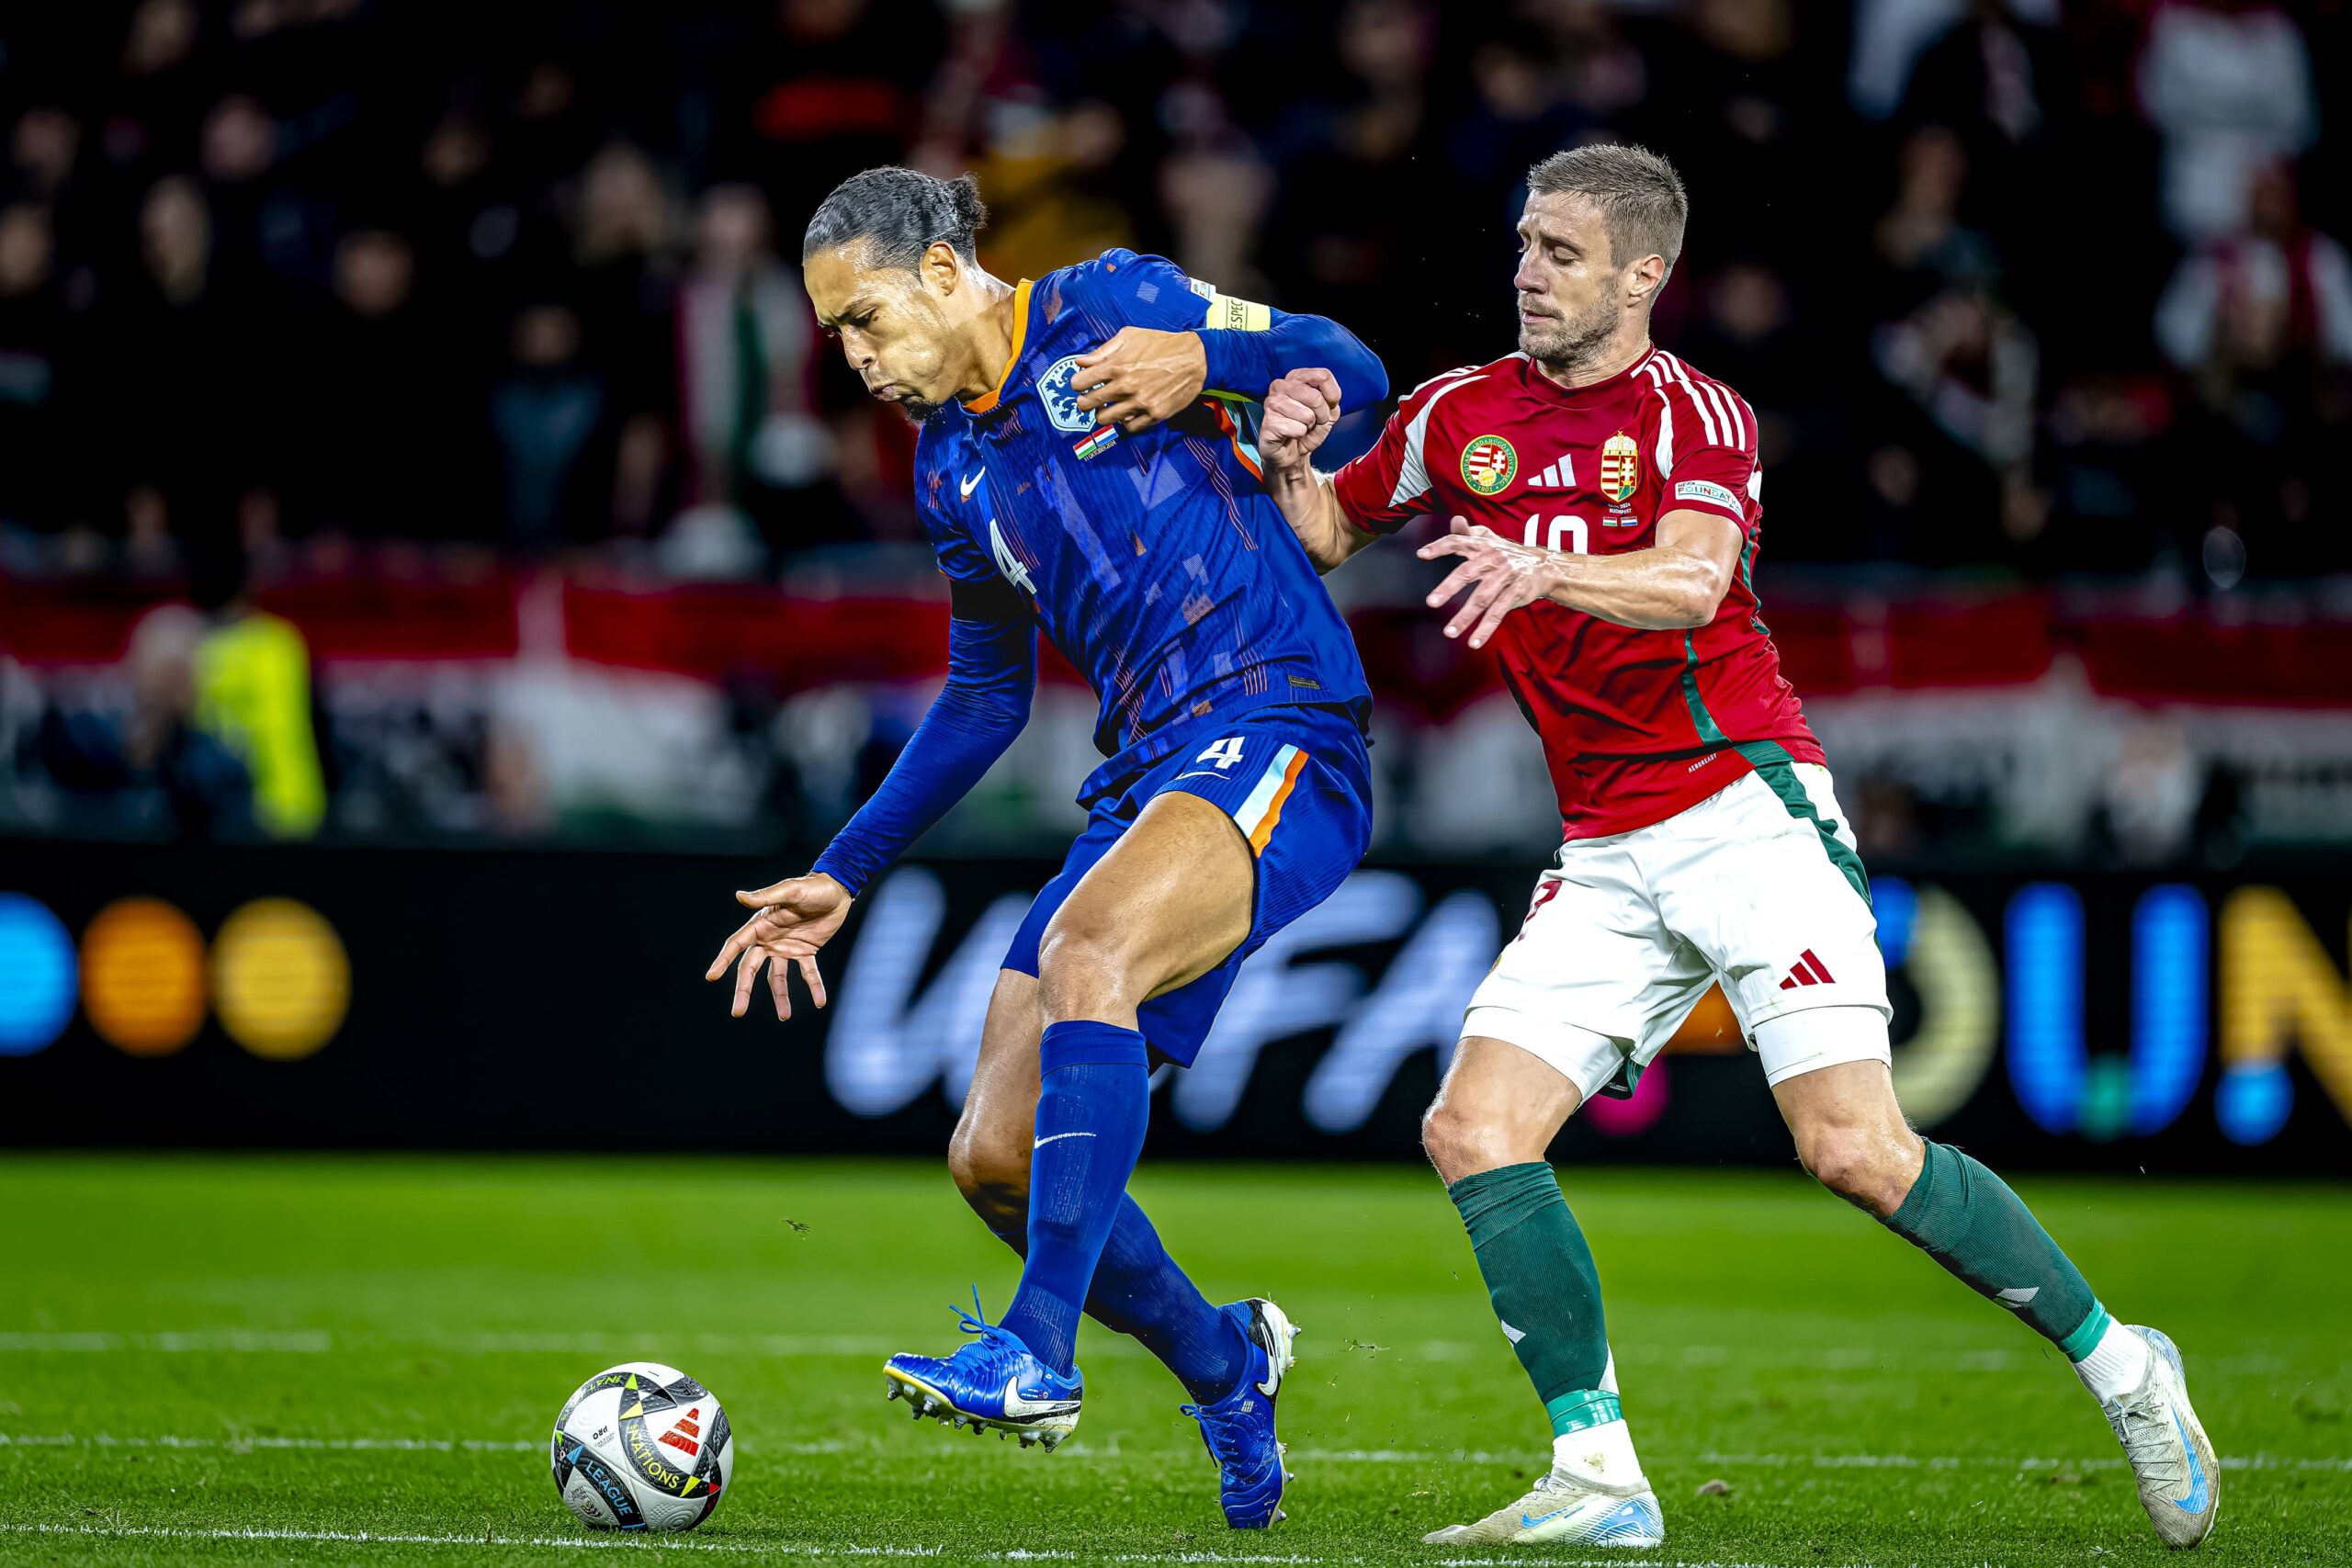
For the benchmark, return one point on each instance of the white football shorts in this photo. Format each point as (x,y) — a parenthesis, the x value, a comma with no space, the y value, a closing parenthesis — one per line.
(1757,886)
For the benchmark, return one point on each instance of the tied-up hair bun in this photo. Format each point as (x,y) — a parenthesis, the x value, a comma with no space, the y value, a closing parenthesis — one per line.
(898,213)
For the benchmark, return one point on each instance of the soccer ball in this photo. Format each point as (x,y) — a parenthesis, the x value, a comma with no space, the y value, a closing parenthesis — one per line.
(642,1447)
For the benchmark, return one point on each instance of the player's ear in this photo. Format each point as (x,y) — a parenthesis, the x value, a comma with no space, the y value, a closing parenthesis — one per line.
(941,268)
(1648,275)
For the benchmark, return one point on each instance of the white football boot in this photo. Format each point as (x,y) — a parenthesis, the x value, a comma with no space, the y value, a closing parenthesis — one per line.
(2180,1483)
(1567,1510)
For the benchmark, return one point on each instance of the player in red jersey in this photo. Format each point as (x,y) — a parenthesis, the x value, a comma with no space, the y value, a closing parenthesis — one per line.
(1605,508)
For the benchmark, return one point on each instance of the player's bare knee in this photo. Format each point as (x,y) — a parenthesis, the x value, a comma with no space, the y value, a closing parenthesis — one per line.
(1872,1168)
(992,1170)
(1463,1143)
(1834,1157)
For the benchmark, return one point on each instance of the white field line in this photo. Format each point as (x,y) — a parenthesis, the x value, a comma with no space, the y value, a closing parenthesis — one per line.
(214,1341)
(319,1341)
(244,1445)
(373,1538)
(333,1445)
(1993,1462)
(234,1444)
(790,1549)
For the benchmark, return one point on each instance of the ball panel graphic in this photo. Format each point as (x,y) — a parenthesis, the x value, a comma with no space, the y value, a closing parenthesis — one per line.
(641,1447)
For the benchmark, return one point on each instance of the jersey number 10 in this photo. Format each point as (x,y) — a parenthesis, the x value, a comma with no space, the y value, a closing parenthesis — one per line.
(1567,534)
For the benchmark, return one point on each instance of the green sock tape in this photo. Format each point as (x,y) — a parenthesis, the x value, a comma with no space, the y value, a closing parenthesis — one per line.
(1584,1407)
(2085,1340)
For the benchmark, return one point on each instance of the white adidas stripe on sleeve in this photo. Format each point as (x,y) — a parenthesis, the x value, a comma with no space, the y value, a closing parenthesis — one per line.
(1665,453)
(1412,474)
(1715,434)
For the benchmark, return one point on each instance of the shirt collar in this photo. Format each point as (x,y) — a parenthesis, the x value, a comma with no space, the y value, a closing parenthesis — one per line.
(1544,383)
(987,401)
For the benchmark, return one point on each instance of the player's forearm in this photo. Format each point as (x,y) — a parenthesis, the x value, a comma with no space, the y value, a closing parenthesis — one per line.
(977,716)
(1653,589)
(1311,506)
(1244,362)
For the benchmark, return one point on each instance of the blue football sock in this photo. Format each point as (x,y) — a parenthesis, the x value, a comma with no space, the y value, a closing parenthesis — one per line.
(1094,1102)
(1139,1292)
(1138,1289)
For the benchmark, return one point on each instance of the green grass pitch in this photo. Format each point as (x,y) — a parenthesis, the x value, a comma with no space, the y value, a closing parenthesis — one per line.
(266,1359)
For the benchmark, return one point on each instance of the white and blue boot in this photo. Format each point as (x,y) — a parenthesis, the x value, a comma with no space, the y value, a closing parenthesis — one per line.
(1239,1428)
(1567,1510)
(993,1383)
(2180,1483)
(1595,1495)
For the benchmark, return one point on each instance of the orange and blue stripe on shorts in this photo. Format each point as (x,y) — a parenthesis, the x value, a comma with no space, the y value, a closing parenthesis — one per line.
(1261,810)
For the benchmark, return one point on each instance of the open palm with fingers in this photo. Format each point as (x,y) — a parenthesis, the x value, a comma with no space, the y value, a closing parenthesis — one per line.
(1502,574)
(796,917)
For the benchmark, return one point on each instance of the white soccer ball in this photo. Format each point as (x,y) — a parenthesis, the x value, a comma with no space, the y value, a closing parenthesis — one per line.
(642,1447)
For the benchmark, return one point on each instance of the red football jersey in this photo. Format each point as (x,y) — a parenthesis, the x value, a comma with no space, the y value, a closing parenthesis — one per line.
(1636,725)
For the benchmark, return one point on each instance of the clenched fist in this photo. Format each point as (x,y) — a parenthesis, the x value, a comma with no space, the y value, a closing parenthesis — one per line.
(1300,410)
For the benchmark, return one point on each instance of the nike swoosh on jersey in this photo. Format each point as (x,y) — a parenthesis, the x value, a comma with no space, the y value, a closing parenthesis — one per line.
(970,483)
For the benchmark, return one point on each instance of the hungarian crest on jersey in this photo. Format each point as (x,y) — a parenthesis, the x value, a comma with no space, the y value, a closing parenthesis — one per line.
(1620,468)
(1488,464)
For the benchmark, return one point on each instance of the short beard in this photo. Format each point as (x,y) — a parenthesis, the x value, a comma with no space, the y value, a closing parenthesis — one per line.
(917,411)
(1572,345)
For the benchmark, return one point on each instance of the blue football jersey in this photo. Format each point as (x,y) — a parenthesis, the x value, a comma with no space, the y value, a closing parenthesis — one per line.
(1154,562)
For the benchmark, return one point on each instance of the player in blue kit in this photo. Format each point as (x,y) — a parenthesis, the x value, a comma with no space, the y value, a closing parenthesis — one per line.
(1084,468)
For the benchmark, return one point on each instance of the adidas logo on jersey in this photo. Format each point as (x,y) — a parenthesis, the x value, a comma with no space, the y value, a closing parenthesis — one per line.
(1559,474)
(1809,971)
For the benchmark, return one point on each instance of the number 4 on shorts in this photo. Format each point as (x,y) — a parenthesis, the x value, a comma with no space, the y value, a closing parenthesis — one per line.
(1225,753)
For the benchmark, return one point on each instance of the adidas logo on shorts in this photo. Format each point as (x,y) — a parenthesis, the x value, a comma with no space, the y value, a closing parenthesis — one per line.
(1809,971)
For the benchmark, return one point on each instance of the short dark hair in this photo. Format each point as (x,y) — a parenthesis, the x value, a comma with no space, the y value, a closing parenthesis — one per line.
(1642,202)
(899,213)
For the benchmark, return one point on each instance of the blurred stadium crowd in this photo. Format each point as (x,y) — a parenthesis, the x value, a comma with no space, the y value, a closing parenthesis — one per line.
(2052,289)
(332,287)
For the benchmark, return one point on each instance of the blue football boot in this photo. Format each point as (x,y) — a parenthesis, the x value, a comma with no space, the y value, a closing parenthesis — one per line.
(1239,1428)
(992,1383)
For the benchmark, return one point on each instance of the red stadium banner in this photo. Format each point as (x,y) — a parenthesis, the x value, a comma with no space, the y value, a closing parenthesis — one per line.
(1829,646)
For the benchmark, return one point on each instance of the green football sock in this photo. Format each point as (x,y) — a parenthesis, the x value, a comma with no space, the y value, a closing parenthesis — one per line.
(1546,1293)
(1966,1218)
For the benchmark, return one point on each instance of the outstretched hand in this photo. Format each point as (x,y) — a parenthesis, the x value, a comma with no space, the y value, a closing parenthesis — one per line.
(1300,410)
(1503,575)
(796,917)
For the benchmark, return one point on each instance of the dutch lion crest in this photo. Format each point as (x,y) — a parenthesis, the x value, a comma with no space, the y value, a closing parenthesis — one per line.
(1060,399)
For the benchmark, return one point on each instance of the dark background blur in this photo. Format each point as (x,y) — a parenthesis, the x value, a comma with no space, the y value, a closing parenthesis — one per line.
(2044,288)
(414,436)
(474,348)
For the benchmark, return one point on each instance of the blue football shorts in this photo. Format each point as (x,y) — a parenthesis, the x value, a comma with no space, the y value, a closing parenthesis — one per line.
(1298,783)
